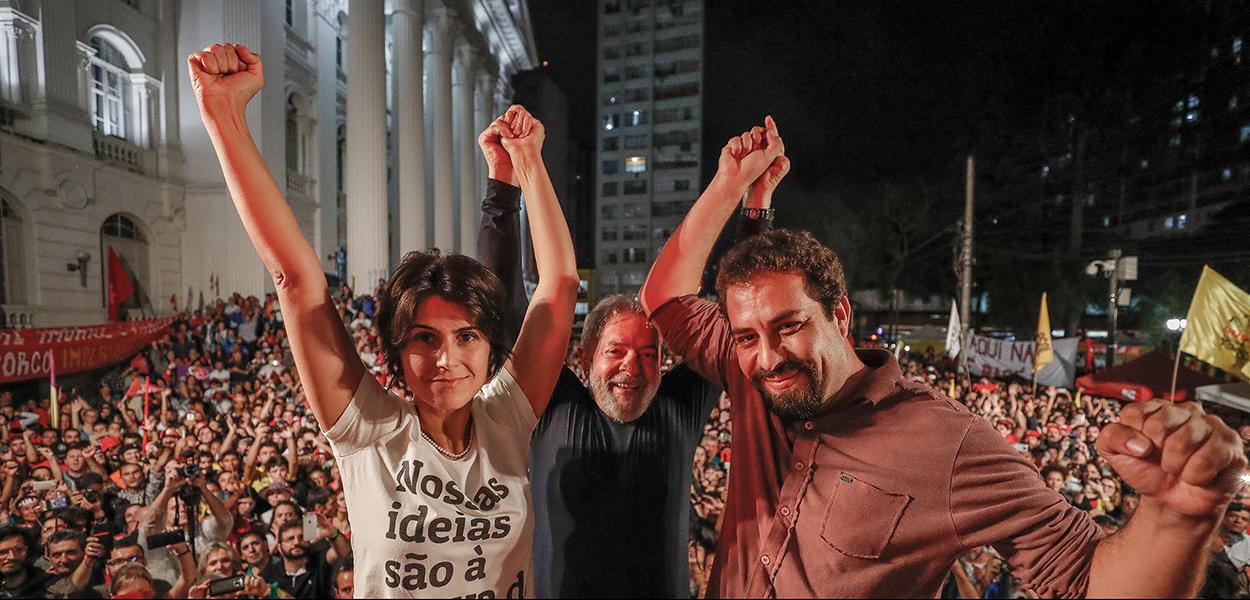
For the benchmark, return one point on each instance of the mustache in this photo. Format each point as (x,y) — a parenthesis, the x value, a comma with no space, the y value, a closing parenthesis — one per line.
(623,379)
(785,367)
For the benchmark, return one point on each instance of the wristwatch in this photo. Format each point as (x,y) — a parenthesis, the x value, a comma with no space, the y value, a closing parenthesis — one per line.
(757,213)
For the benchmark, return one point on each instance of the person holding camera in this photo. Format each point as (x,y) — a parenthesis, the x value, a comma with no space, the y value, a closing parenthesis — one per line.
(221,576)
(76,561)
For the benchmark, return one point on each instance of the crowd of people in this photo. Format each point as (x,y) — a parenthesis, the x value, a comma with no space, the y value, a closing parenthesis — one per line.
(476,463)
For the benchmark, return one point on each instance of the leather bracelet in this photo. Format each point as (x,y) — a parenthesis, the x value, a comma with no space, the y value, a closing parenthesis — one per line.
(757,213)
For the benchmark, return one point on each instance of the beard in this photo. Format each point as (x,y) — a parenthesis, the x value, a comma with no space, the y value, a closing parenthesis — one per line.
(622,410)
(797,403)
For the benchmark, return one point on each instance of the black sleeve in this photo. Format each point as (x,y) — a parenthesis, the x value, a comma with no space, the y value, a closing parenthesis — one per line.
(499,247)
(750,227)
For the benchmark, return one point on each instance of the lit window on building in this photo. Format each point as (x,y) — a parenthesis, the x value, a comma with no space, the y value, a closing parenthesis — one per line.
(1192,102)
(1106,221)
(1180,106)
(1145,164)
(1232,102)
(635,118)
(1191,116)
(1227,173)
(636,164)
(1175,123)
(1244,134)
(1175,140)
(1045,170)
(1236,44)
(1182,220)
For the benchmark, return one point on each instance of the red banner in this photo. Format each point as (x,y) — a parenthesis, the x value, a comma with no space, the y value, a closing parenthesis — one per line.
(29,353)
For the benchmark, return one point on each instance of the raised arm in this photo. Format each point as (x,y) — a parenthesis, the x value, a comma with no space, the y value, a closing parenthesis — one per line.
(538,354)
(679,267)
(225,77)
(499,235)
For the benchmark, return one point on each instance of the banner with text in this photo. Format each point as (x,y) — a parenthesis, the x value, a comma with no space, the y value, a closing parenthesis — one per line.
(991,357)
(29,353)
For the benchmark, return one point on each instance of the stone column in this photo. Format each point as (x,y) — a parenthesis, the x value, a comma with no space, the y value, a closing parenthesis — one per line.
(366,145)
(408,29)
(483,100)
(442,28)
(466,148)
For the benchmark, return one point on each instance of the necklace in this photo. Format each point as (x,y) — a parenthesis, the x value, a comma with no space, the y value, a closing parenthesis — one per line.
(452,455)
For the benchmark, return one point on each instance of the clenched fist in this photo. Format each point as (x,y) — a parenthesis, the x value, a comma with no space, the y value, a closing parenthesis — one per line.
(1176,454)
(225,76)
(746,157)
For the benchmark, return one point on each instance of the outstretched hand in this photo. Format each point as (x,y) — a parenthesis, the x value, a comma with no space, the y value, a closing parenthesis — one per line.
(1176,454)
(225,73)
(745,158)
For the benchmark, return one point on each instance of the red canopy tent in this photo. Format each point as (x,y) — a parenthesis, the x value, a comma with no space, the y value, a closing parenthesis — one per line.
(1145,378)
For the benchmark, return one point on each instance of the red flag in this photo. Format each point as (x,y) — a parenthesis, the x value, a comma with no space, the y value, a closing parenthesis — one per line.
(120,286)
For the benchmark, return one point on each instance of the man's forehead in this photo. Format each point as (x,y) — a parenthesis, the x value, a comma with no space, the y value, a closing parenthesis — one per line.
(627,327)
(766,296)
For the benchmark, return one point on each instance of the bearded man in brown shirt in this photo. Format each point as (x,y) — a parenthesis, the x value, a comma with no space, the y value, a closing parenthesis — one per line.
(849,480)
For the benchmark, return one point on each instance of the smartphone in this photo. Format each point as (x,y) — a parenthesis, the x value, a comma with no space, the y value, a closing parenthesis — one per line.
(225,585)
(161,540)
(310,526)
(56,503)
(43,486)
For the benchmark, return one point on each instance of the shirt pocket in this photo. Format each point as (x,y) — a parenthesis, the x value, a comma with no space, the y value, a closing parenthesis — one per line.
(861,518)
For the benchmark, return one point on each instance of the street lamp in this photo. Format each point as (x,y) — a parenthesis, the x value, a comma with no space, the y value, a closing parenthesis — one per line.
(1115,267)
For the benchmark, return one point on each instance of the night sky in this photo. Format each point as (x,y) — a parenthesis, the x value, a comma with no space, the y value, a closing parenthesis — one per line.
(868,91)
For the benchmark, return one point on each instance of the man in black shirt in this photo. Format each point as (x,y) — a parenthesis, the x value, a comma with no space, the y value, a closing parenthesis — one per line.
(611,457)
(19,577)
(302,572)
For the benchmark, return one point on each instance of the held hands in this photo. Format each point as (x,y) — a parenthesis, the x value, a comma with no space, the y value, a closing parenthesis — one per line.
(1176,454)
(524,146)
(225,76)
(745,158)
(498,163)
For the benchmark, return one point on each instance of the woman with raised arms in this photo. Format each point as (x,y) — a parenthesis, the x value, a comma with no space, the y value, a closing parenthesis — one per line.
(436,478)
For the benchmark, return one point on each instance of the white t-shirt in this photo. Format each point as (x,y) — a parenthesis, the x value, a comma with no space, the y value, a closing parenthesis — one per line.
(424,525)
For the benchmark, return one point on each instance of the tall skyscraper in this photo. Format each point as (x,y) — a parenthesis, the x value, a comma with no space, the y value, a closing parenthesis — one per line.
(650,130)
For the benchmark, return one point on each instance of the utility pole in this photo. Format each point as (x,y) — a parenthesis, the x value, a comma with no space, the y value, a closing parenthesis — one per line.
(965,250)
(1113,305)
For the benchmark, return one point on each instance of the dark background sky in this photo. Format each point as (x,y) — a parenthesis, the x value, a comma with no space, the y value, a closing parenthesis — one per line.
(867,91)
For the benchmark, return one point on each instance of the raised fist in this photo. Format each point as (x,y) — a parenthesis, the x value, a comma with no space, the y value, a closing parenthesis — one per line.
(745,157)
(227,73)
(528,134)
(498,163)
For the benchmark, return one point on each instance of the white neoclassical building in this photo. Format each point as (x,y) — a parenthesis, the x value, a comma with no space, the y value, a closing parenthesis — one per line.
(367,122)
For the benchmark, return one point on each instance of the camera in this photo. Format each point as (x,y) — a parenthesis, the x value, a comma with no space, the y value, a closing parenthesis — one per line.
(60,449)
(190,470)
(90,496)
(225,585)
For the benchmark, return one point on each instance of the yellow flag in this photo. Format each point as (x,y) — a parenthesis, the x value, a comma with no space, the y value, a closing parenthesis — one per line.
(1044,354)
(1217,330)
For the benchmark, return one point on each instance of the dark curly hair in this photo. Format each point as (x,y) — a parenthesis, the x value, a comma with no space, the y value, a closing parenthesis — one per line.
(785,251)
(452,277)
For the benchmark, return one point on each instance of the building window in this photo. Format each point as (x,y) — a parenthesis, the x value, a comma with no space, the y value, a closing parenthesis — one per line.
(109,83)
(1175,123)
(608,211)
(1191,116)
(292,136)
(634,233)
(340,158)
(1236,44)
(611,257)
(1227,173)
(636,164)
(610,235)
(611,144)
(290,12)
(634,255)
(1232,102)
(634,142)
(611,121)
(609,188)
(1175,140)
(1182,220)
(1192,101)
(632,210)
(681,185)
(1244,134)
(637,118)
(1169,222)
(611,167)
(635,187)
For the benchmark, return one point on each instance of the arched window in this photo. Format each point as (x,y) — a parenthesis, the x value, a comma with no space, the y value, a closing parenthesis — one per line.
(110,82)
(12,271)
(124,236)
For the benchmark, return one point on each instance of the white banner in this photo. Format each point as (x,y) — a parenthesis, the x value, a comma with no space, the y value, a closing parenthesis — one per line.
(991,357)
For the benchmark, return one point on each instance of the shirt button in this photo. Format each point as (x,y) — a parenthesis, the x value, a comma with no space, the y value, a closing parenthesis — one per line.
(808,426)
(764,559)
(785,511)
(798,466)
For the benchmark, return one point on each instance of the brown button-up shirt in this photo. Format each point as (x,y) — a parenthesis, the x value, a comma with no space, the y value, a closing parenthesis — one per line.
(878,494)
